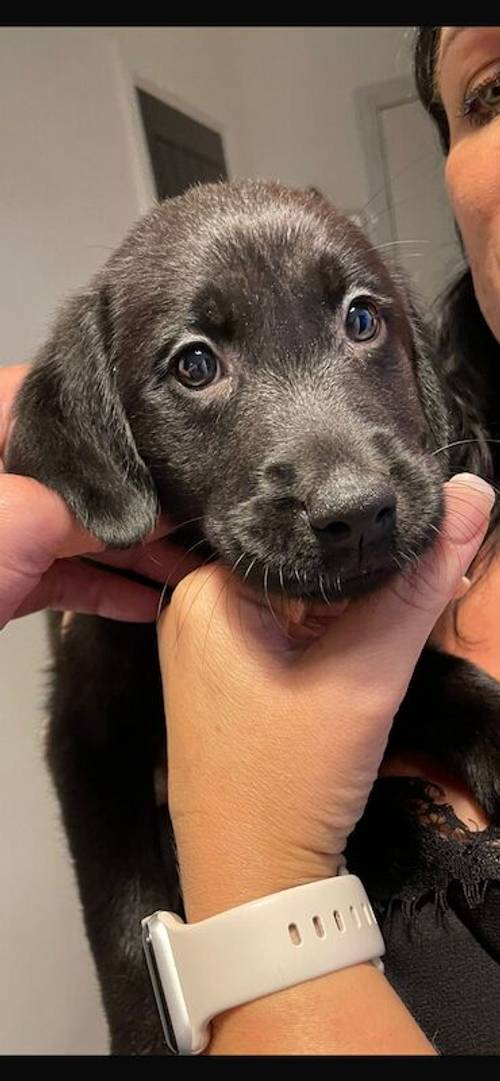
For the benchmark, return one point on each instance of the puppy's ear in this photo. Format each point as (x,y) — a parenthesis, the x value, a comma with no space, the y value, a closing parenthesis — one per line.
(458,361)
(434,396)
(469,355)
(71,431)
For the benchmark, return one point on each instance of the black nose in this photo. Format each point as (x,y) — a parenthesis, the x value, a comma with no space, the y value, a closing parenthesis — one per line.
(370,519)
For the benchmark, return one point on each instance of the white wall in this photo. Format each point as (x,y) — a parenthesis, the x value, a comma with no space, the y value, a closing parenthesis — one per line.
(73,178)
(297,88)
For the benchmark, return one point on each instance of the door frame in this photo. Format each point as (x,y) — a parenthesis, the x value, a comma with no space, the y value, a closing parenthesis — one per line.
(127,80)
(369,104)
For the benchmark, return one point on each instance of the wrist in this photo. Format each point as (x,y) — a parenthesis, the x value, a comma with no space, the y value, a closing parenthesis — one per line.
(216,878)
(210,968)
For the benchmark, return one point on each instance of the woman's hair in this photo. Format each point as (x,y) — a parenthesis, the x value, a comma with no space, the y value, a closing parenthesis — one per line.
(426,50)
(470,353)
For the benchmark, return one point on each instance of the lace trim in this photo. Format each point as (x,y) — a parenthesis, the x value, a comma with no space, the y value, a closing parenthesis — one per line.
(422,848)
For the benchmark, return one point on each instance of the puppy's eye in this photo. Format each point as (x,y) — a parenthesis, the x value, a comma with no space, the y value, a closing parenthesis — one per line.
(362,321)
(196,365)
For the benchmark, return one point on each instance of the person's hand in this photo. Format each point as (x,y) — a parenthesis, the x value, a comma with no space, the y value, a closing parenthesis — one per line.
(275,738)
(39,539)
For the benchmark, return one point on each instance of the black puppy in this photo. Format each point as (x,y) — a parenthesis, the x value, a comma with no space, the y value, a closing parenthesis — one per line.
(246,362)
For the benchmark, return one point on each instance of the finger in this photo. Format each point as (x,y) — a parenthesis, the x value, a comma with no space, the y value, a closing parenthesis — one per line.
(162,561)
(10,382)
(468,504)
(35,526)
(77,587)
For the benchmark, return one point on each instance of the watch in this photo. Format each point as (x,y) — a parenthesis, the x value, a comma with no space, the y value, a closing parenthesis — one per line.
(198,970)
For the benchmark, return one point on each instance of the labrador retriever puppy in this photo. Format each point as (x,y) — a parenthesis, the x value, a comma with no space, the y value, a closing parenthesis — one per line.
(246,362)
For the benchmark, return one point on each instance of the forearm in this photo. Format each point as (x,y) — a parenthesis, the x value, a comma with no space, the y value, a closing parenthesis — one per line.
(351,1012)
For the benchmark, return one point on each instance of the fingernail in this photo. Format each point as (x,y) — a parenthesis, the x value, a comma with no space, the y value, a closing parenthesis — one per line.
(473,481)
(466,517)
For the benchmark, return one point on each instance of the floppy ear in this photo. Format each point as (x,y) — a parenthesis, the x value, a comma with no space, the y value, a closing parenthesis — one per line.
(470,355)
(71,431)
(464,358)
(452,374)
(430,381)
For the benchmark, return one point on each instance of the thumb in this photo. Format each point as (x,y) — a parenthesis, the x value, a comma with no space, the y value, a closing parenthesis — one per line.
(385,643)
(418,599)
(36,527)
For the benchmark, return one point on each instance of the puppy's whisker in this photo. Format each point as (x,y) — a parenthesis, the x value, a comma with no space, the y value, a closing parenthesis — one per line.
(381,191)
(189,521)
(224,587)
(233,568)
(268,601)
(178,564)
(159,608)
(152,559)
(463,442)
(389,249)
(183,557)
(198,591)
(322,590)
(172,572)
(249,568)
(435,529)
(144,542)
(408,559)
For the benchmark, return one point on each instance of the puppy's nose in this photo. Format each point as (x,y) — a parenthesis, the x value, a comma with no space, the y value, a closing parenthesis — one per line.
(368,520)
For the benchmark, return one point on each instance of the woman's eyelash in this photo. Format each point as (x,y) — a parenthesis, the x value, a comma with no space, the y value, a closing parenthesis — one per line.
(477,111)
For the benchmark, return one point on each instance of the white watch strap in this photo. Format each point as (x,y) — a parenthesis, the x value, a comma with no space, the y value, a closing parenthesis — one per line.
(259,948)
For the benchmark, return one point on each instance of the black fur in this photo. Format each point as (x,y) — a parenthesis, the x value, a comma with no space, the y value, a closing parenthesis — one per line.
(304,430)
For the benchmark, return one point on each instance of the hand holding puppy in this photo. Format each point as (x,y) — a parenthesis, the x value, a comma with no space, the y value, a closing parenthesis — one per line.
(40,540)
(275,736)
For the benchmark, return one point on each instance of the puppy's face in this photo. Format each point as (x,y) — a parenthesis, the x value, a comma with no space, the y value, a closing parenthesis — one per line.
(246,359)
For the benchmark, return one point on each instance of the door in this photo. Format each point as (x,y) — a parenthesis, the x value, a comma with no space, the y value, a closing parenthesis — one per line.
(182,151)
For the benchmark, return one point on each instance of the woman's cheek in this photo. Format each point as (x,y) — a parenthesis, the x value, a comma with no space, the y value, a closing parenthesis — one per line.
(473,183)
(465,179)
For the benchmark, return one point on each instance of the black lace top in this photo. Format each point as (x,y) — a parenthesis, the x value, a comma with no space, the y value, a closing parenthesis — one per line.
(435,886)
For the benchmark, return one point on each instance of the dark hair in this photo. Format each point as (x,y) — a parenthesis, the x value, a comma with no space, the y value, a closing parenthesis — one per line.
(426,49)
(469,350)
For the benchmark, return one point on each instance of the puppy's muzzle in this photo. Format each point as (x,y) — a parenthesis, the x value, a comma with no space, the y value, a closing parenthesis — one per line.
(348,513)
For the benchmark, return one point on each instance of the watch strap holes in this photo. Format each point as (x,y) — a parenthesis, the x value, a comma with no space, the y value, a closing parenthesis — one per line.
(295,935)
(318,926)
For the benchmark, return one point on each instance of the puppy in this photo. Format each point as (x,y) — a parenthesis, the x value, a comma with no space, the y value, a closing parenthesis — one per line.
(246,362)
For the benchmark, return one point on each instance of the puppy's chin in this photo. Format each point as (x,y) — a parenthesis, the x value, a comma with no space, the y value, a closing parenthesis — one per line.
(323,588)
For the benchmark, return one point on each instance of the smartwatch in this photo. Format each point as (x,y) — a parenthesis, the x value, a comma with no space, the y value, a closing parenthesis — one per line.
(199,970)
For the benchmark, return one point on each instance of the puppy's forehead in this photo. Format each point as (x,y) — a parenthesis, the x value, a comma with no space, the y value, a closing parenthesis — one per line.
(224,254)
(282,250)
(290,269)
